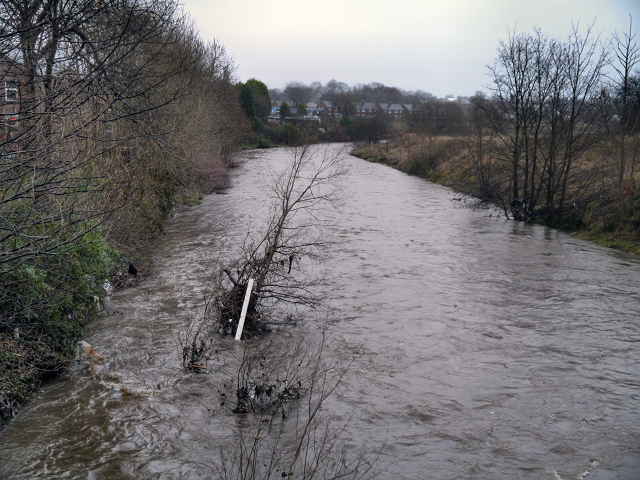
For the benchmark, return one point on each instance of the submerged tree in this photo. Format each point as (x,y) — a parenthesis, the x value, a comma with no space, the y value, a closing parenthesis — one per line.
(294,233)
(283,387)
(280,258)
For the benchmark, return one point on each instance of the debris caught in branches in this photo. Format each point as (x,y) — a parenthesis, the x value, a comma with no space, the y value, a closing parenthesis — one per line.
(279,257)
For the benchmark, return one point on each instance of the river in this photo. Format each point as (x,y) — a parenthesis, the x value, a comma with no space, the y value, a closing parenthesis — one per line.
(482,348)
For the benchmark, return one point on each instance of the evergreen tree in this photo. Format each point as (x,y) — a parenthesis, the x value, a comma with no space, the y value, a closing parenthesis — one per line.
(246,101)
(285,111)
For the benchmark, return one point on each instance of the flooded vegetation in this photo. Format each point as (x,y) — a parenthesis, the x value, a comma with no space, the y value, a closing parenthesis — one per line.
(458,344)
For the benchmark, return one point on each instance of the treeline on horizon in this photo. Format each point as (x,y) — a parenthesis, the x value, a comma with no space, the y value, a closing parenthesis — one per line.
(344,125)
(360,92)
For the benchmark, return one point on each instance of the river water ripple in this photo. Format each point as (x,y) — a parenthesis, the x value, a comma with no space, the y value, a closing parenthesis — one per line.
(484,348)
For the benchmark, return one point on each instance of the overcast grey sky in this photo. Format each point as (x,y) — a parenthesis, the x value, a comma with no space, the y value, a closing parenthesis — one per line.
(439,46)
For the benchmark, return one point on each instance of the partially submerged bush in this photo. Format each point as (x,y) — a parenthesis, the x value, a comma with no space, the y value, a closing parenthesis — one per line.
(274,257)
(281,387)
(43,308)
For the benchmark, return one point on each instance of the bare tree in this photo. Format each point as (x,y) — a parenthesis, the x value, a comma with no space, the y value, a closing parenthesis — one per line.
(278,258)
(333,87)
(297,92)
(626,57)
(374,92)
(93,127)
(284,385)
(433,118)
(546,116)
(317,89)
(77,75)
(98,90)
(515,118)
(480,143)
(345,103)
(586,61)
(308,185)
(375,128)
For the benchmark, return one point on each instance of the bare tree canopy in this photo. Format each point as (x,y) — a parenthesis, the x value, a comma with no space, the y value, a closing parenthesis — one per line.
(626,56)
(345,103)
(547,110)
(298,92)
(278,258)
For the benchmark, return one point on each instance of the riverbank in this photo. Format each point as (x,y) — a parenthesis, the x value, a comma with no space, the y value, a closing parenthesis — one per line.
(594,216)
(52,305)
(446,315)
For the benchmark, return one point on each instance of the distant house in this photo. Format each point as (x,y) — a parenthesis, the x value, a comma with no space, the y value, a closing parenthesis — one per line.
(278,102)
(395,110)
(366,109)
(408,107)
(275,108)
(314,111)
(328,109)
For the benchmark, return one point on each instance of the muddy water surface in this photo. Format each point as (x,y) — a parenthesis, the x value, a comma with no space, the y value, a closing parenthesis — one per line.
(484,348)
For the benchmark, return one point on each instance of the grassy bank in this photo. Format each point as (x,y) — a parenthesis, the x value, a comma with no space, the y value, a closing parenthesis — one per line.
(596,212)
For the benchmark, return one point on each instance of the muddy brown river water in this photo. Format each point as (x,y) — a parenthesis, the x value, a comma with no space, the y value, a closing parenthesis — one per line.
(483,348)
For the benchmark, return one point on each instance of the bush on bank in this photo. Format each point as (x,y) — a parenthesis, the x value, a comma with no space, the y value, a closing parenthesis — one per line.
(44,308)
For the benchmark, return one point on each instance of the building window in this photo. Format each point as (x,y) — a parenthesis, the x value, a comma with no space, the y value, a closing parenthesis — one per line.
(10,91)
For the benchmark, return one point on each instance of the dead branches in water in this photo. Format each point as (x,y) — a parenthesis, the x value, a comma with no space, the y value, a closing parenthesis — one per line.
(295,234)
(282,386)
(279,258)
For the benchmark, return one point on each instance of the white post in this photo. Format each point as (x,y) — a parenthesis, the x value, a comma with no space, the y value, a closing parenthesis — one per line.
(245,306)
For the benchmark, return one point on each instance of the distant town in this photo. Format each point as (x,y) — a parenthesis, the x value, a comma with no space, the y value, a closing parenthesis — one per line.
(337,99)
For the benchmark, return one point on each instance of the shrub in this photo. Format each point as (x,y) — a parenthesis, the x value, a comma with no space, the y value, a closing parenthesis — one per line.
(290,134)
(272,132)
(264,143)
(44,305)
